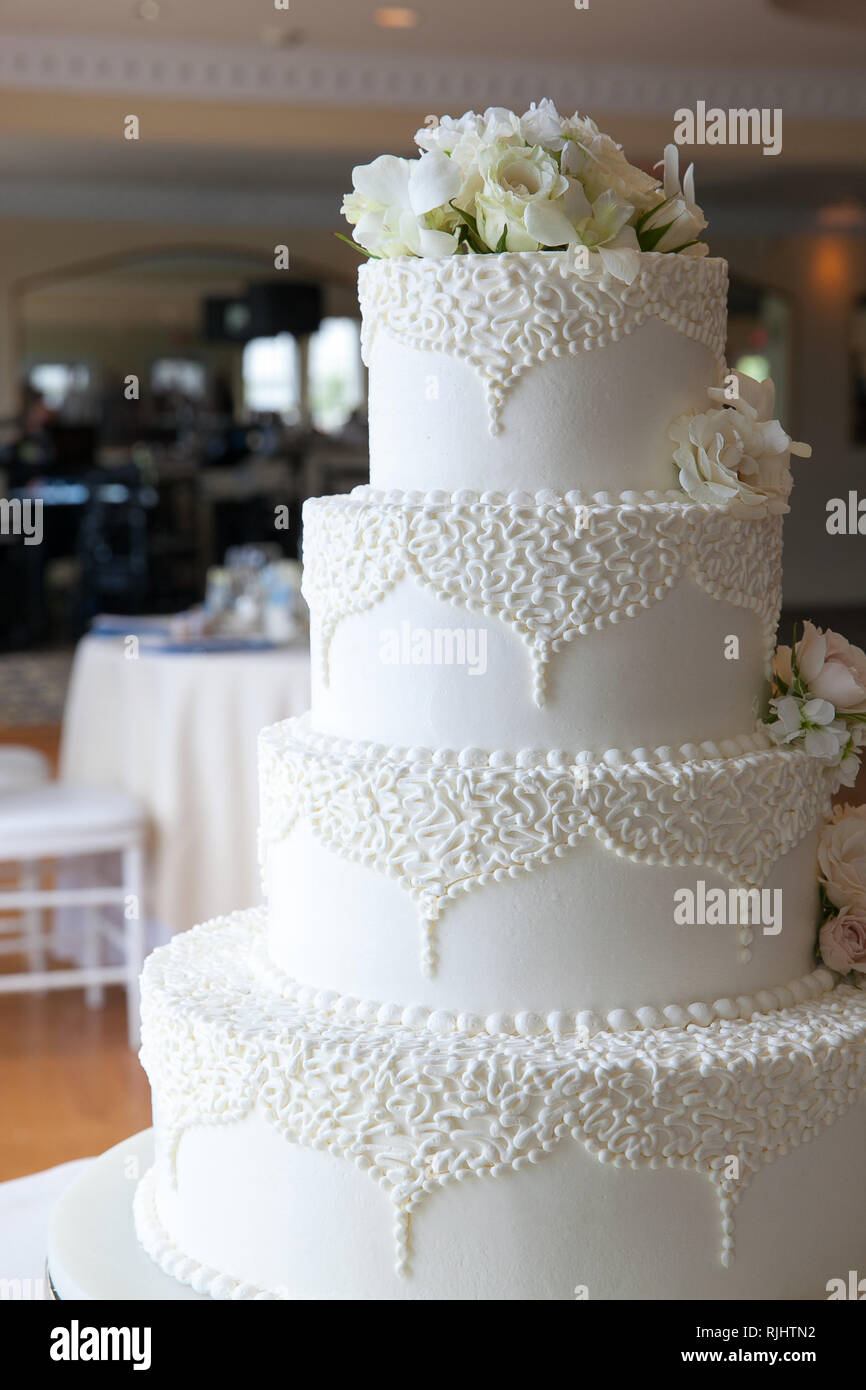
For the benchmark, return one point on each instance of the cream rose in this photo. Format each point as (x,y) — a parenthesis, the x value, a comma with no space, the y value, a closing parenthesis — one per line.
(523,198)
(842,942)
(830,667)
(842,858)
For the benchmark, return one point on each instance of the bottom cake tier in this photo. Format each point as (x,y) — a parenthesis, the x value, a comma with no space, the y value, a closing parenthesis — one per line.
(302,1140)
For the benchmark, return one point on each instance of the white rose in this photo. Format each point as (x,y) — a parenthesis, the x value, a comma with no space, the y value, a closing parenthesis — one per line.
(400,207)
(523,199)
(842,858)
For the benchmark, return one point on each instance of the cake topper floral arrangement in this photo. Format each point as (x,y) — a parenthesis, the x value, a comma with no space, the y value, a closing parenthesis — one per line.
(496,181)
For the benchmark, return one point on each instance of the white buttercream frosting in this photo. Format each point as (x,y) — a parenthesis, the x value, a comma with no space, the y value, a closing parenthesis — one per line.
(216,1045)
(553,568)
(505,314)
(444,822)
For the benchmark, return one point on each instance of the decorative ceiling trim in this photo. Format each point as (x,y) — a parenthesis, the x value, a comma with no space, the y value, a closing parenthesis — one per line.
(75,200)
(307,76)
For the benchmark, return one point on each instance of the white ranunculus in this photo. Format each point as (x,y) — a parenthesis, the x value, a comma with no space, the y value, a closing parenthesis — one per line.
(677,221)
(523,197)
(399,207)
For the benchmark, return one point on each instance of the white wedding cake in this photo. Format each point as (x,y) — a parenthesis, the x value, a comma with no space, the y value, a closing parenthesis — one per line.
(542,862)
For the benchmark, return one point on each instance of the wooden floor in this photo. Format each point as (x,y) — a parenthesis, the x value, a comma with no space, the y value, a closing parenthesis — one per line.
(69,1083)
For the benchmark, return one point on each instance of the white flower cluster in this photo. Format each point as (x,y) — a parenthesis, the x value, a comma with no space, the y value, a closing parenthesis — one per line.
(737,455)
(503,182)
(820,699)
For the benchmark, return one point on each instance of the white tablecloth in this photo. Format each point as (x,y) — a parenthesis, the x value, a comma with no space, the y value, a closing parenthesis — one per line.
(26,1205)
(178,731)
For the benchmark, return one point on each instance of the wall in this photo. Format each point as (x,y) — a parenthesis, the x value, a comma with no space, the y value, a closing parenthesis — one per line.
(822,275)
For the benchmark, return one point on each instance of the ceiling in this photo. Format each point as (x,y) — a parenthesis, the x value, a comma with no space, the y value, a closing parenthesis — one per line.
(749,33)
(253,114)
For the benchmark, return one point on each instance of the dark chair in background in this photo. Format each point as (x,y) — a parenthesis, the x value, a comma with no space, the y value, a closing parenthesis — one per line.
(112,543)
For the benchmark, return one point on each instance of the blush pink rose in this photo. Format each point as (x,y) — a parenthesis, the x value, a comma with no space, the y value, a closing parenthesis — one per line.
(842,858)
(830,666)
(842,942)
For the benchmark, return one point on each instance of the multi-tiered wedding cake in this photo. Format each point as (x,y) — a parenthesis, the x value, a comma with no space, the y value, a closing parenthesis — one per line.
(541,861)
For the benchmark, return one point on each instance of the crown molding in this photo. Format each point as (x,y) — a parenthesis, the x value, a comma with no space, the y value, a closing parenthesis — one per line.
(307,76)
(77,200)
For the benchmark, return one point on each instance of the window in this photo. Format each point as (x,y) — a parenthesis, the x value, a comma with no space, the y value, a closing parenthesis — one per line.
(56,382)
(181,374)
(272,376)
(336,373)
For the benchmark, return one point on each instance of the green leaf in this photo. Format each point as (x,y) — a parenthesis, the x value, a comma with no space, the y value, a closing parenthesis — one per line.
(650,212)
(648,241)
(469,230)
(467,217)
(501,244)
(355,247)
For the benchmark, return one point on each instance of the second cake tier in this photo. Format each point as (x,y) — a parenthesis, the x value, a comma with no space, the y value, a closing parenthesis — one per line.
(538,618)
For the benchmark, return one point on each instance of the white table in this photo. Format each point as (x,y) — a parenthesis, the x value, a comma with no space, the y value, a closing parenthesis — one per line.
(178,731)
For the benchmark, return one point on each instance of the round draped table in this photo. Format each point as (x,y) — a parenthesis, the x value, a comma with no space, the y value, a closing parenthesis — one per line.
(178,731)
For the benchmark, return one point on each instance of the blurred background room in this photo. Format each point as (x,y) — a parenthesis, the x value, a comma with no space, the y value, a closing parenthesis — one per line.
(180,366)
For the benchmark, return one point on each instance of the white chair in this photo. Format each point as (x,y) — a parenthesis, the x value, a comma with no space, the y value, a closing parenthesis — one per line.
(59,822)
(22,767)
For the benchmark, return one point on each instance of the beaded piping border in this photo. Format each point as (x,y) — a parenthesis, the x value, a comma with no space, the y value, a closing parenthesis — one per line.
(444,823)
(552,567)
(505,314)
(165,1252)
(329,1004)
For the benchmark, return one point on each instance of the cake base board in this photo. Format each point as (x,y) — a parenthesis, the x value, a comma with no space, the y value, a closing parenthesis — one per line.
(93,1251)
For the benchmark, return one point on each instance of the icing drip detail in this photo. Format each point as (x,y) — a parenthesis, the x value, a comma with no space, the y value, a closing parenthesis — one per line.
(551,567)
(444,823)
(504,314)
(417,1112)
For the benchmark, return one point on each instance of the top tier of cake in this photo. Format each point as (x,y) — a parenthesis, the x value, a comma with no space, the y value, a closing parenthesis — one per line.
(527,370)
